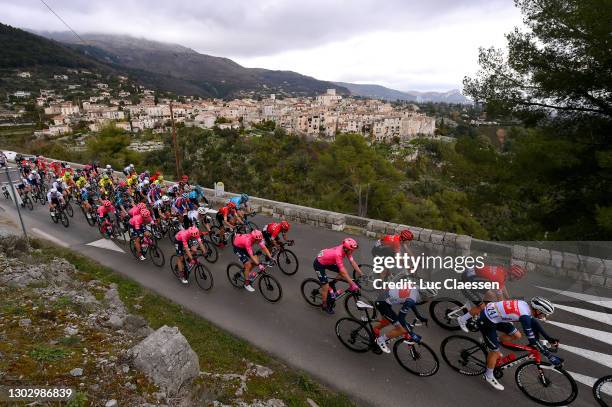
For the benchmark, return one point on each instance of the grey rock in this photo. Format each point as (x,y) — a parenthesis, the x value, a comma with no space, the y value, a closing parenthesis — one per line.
(111,403)
(166,358)
(70,331)
(76,372)
(114,321)
(25,322)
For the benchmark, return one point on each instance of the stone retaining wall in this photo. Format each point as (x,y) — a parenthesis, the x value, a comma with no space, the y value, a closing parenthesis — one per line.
(592,270)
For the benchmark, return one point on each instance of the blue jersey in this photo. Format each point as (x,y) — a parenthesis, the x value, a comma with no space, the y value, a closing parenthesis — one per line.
(237,200)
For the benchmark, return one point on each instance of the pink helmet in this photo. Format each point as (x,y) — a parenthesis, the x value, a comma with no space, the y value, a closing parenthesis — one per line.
(145,213)
(256,234)
(106,203)
(142,205)
(350,244)
(194,231)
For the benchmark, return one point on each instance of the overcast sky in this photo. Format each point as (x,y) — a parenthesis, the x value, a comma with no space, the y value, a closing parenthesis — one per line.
(403,44)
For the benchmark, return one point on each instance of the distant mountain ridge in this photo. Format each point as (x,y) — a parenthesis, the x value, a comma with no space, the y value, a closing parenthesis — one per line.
(382,92)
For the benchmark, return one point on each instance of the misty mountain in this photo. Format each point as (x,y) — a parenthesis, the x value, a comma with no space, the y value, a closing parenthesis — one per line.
(382,92)
(204,75)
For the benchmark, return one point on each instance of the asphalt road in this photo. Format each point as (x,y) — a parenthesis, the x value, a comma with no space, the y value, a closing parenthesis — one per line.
(304,337)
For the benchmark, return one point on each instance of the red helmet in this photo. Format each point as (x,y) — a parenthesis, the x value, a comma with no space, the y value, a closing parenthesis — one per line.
(145,213)
(406,235)
(350,244)
(256,234)
(517,272)
(184,178)
(106,203)
(194,231)
(123,184)
(142,205)
(285,225)
(231,205)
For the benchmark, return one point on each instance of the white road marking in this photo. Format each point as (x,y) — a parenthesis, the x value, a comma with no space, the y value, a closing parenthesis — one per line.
(594,315)
(591,299)
(49,237)
(106,244)
(603,336)
(598,357)
(589,381)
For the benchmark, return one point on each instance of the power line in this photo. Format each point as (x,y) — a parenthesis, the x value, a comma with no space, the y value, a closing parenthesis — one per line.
(65,23)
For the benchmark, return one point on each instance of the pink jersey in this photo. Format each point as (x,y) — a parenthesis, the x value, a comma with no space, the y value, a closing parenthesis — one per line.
(184,236)
(246,242)
(333,255)
(137,221)
(134,211)
(103,210)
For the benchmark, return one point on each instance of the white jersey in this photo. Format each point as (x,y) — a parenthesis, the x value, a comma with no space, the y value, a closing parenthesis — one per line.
(506,311)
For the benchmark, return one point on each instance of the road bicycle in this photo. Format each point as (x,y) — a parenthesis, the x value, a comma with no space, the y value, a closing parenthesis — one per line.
(111,230)
(268,286)
(90,214)
(445,311)
(248,225)
(286,260)
(357,335)
(311,292)
(602,391)
(59,215)
(26,201)
(149,249)
(39,193)
(203,276)
(540,381)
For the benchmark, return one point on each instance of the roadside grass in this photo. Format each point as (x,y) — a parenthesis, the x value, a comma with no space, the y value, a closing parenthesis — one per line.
(219,352)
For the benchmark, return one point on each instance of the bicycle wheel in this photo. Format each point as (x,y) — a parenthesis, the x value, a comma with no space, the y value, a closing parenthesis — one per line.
(64,219)
(55,218)
(235,275)
(133,248)
(105,235)
(440,309)
(602,391)
(270,288)
(28,203)
(174,265)
(366,281)
(287,262)
(91,220)
(68,209)
(350,305)
(215,236)
(212,254)
(204,277)
(464,355)
(354,334)
(310,289)
(418,358)
(156,255)
(546,384)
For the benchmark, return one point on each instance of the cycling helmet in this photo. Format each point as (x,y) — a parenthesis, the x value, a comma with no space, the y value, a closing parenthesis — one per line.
(142,205)
(542,305)
(165,198)
(427,293)
(58,180)
(193,195)
(231,205)
(108,167)
(185,195)
(406,235)
(202,210)
(68,166)
(285,225)
(145,213)
(517,272)
(160,178)
(184,178)
(244,197)
(145,182)
(88,185)
(123,184)
(256,234)
(106,203)
(105,176)
(350,244)
(131,166)
(194,231)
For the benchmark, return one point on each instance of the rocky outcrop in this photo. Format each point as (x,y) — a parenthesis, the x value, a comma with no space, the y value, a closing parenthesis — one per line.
(167,359)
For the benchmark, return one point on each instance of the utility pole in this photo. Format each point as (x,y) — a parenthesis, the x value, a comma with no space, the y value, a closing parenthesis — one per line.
(176,152)
(8,178)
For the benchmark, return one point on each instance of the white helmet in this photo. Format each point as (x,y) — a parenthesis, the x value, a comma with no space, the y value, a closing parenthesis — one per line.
(58,180)
(145,182)
(543,305)
(165,198)
(202,210)
(108,167)
(427,293)
(131,166)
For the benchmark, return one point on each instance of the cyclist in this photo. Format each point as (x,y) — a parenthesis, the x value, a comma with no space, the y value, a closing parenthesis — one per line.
(332,259)
(2,159)
(243,248)
(272,231)
(224,218)
(497,274)
(104,212)
(241,203)
(204,218)
(55,198)
(390,245)
(500,315)
(137,224)
(87,199)
(182,239)
(408,298)
(129,170)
